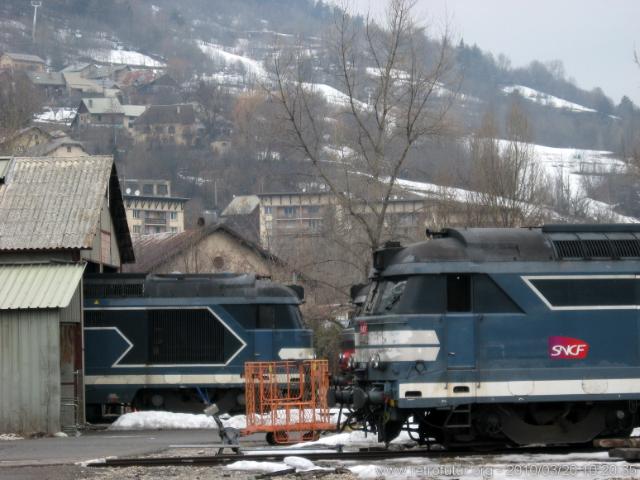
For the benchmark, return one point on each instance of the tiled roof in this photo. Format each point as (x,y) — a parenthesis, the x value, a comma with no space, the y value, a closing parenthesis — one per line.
(153,250)
(167,114)
(55,203)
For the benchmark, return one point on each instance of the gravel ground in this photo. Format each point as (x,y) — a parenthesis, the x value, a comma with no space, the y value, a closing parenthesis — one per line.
(64,472)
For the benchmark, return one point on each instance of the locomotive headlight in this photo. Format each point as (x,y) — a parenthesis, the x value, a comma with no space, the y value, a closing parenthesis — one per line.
(375,361)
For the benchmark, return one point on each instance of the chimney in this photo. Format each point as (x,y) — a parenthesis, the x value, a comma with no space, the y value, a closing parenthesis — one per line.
(178,109)
(91,102)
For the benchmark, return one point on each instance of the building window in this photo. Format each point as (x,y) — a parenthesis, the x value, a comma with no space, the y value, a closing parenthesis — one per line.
(162,190)
(313,210)
(218,263)
(268,210)
(147,189)
(173,215)
(68,149)
(290,211)
(136,214)
(174,229)
(136,229)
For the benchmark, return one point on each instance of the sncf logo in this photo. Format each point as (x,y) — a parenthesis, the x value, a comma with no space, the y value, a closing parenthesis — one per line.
(364,328)
(566,347)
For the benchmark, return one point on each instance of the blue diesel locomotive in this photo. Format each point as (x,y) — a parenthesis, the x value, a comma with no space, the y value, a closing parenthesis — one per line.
(174,342)
(501,336)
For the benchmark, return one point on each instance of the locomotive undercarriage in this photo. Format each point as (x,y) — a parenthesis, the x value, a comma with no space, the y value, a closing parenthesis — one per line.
(500,424)
(184,400)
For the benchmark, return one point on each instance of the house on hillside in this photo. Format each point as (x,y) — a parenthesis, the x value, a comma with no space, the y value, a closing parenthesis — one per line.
(78,86)
(205,249)
(73,222)
(163,88)
(106,112)
(21,62)
(98,112)
(63,146)
(24,140)
(151,208)
(168,124)
(52,85)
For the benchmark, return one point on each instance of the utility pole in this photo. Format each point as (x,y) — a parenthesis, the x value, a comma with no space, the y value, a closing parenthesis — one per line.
(35,5)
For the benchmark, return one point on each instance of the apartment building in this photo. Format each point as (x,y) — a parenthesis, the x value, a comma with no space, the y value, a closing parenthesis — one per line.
(151,208)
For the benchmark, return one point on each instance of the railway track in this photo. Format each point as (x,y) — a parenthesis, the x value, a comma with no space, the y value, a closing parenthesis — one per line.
(360,455)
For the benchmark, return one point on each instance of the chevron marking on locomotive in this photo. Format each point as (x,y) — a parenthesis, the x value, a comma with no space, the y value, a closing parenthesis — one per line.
(528,280)
(398,345)
(295,353)
(220,378)
(537,388)
(116,364)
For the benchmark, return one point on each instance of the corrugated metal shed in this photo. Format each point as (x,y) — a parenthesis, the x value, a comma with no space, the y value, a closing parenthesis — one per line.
(52,203)
(30,371)
(39,285)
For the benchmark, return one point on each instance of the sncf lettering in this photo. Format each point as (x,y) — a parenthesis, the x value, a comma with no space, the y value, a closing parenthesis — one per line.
(567,348)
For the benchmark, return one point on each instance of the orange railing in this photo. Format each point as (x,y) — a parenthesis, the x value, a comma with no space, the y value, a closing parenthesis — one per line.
(287,399)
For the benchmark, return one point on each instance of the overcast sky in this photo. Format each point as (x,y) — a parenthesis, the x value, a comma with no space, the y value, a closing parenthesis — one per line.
(594,39)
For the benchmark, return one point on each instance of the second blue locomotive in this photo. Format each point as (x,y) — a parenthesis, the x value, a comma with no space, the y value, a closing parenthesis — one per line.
(176,342)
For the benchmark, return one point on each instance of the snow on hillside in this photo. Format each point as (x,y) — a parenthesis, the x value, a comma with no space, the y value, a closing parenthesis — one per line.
(124,57)
(572,164)
(332,95)
(546,99)
(216,52)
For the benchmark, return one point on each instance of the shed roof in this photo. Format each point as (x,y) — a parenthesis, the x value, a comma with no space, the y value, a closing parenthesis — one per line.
(55,203)
(24,57)
(39,285)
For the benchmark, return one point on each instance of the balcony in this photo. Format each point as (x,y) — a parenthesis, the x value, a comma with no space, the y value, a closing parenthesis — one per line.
(155,221)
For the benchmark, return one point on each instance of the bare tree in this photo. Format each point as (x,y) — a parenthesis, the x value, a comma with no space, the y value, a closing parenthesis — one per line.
(392,80)
(508,184)
(19,101)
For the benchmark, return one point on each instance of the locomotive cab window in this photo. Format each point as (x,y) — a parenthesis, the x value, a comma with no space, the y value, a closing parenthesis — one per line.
(458,292)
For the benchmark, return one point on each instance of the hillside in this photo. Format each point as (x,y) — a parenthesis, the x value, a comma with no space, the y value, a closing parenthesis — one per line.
(229,45)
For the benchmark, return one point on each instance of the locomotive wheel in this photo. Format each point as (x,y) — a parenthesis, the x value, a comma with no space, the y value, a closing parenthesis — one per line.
(566,428)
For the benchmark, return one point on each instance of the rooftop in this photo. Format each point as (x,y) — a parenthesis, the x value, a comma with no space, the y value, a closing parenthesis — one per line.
(54,203)
(24,57)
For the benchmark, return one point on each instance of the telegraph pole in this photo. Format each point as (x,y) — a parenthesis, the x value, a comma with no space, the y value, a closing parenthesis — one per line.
(35,5)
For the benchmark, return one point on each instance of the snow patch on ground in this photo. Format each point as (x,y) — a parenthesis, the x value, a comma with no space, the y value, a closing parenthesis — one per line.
(546,99)
(124,57)
(356,438)
(63,116)
(300,464)
(10,437)
(155,420)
